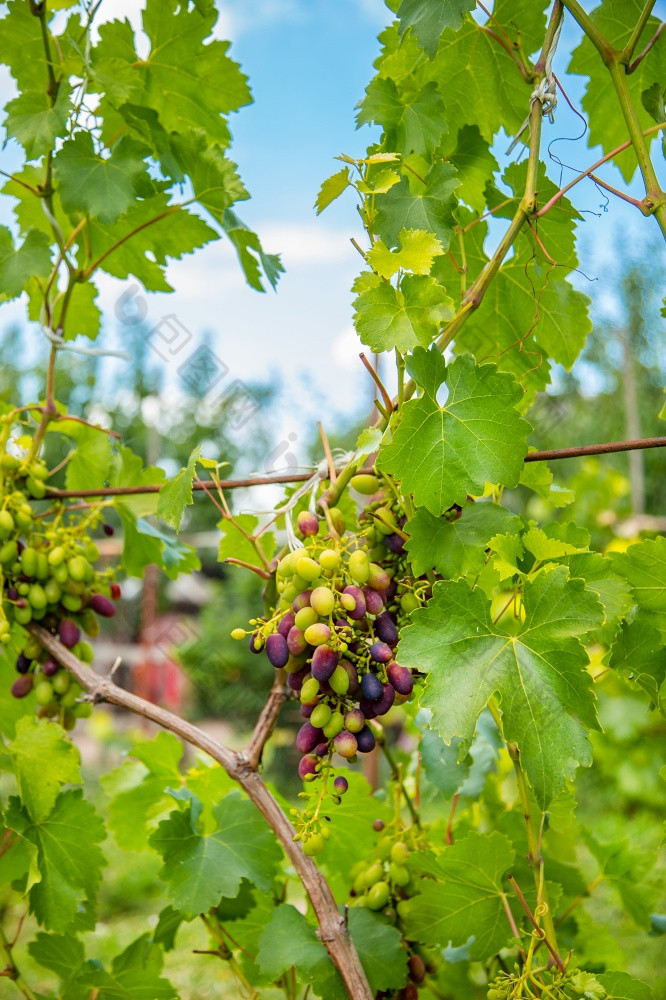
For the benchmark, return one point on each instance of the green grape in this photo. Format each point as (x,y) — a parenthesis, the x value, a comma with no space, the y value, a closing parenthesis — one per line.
(313,845)
(61,682)
(322,600)
(399,852)
(409,602)
(28,561)
(56,556)
(307,568)
(339,680)
(329,560)
(320,716)
(23,615)
(6,524)
(399,875)
(304,618)
(76,567)
(37,597)
(359,566)
(364,483)
(8,552)
(44,693)
(334,725)
(378,896)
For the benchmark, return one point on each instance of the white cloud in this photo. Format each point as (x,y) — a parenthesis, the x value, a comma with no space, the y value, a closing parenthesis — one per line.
(306,243)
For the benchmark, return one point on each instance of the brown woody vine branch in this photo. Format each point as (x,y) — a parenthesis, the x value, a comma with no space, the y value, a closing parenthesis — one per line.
(332,929)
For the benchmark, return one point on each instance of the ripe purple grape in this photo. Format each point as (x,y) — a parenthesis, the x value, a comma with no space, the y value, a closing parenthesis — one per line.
(371,686)
(308,525)
(340,784)
(345,744)
(368,708)
(102,605)
(378,825)
(381,653)
(295,681)
(22,686)
(277,650)
(356,595)
(50,668)
(296,641)
(256,643)
(308,737)
(108,530)
(401,678)
(365,740)
(307,765)
(386,629)
(286,624)
(22,664)
(324,662)
(321,749)
(307,710)
(417,969)
(301,601)
(374,602)
(354,685)
(386,701)
(69,632)
(394,543)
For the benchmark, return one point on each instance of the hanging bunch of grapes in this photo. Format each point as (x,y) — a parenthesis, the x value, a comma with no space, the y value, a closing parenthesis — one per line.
(344,596)
(49,575)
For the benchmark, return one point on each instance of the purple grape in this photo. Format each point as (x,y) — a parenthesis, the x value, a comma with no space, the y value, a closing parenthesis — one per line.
(256,643)
(296,641)
(394,543)
(50,668)
(302,601)
(307,765)
(22,664)
(307,710)
(295,681)
(286,624)
(354,685)
(368,708)
(371,686)
(386,701)
(341,784)
(378,825)
(108,530)
(22,686)
(374,602)
(354,720)
(324,662)
(104,606)
(12,593)
(358,611)
(401,678)
(308,525)
(386,629)
(321,749)
(381,653)
(345,744)
(365,740)
(69,632)
(308,737)
(391,590)
(277,650)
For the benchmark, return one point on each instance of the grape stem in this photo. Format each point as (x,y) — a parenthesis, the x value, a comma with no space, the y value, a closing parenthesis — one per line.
(332,931)
(532,919)
(266,721)
(10,971)
(397,776)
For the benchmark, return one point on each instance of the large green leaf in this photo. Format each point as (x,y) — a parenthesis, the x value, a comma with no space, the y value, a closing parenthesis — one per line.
(455,547)
(103,186)
(465,904)
(290,941)
(19,264)
(622,986)
(200,868)
(387,318)
(429,18)
(538,674)
(176,494)
(419,203)
(35,123)
(43,760)
(443,453)
(413,120)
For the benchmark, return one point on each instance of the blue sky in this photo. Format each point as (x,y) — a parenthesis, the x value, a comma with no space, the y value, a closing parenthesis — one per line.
(308,62)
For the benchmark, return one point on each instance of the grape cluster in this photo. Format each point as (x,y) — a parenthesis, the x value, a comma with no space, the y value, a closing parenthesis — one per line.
(343,599)
(48,575)
(383,883)
(571,984)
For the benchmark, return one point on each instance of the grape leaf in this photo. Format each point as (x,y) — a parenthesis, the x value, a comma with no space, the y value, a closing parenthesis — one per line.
(234,544)
(59,953)
(289,940)
(104,187)
(331,189)
(90,459)
(429,18)
(22,47)
(144,544)
(416,253)
(440,454)
(625,869)
(612,590)
(176,493)
(455,548)
(465,777)
(622,986)
(69,861)
(12,709)
(379,947)
(37,741)
(413,120)
(537,476)
(35,123)
(387,318)
(475,165)
(616,19)
(419,204)
(19,264)
(200,868)
(351,835)
(643,566)
(468,905)
(251,255)
(128,469)
(539,673)
(639,651)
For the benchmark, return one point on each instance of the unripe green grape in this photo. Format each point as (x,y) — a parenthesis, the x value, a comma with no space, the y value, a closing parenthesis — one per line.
(373,874)
(23,616)
(59,574)
(69,699)
(378,896)
(322,600)
(23,589)
(72,602)
(310,690)
(399,852)
(82,710)
(313,845)
(8,552)
(76,567)
(52,591)
(299,583)
(402,908)
(334,725)
(338,520)
(329,560)
(384,848)
(44,693)
(359,566)
(37,597)
(9,462)
(320,716)
(399,875)
(61,682)
(6,524)
(38,470)
(409,602)
(84,651)
(56,556)
(304,618)
(339,680)
(68,721)
(238,633)
(385,520)
(28,560)
(317,634)
(89,623)
(91,552)
(364,483)
(35,488)
(307,568)
(32,649)
(23,519)
(294,664)
(290,593)
(42,570)
(284,567)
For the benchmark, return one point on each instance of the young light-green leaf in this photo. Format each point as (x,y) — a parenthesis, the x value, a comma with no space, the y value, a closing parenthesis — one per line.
(43,760)
(176,494)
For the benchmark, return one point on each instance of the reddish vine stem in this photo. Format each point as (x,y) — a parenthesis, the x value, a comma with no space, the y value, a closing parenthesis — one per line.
(332,930)
(530,916)
(266,721)
(551,455)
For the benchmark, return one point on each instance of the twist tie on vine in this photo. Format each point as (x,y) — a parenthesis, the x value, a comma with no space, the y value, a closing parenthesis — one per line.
(545,92)
(311,485)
